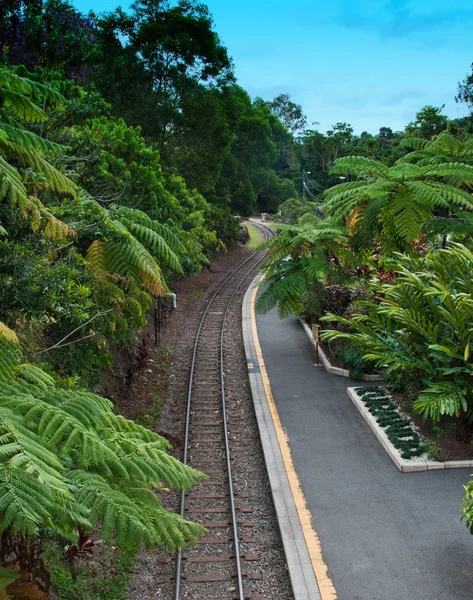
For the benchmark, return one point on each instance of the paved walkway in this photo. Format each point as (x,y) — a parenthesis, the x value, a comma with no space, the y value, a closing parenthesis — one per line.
(385,535)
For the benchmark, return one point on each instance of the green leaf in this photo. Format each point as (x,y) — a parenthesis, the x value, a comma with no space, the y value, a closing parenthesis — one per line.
(7,576)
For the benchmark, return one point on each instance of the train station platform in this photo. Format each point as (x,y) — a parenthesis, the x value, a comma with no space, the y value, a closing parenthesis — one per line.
(354,527)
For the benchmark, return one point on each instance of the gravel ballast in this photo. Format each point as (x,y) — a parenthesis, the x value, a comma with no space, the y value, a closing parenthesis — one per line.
(249,471)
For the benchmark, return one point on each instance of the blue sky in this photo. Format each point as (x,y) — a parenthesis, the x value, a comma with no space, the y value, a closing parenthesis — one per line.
(371,63)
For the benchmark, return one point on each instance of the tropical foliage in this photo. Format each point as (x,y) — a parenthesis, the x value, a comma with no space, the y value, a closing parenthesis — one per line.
(391,282)
(299,257)
(392,204)
(69,464)
(422,324)
(125,146)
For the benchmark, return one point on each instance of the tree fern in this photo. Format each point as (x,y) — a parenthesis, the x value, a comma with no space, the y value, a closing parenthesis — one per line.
(406,196)
(444,148)
(298,257)
(66,461)
(129,247)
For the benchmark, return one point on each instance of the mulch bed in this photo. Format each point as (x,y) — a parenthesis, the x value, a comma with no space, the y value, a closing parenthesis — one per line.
(446,441)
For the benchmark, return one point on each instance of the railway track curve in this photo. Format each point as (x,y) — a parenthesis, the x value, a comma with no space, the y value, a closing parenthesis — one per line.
(216,568)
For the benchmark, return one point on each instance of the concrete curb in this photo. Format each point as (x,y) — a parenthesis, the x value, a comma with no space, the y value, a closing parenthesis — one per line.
(328,365)
(299,562)
(406,466)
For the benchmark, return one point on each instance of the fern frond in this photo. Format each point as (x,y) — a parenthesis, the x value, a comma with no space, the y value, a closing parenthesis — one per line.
(56,181)
(23,85)
(454,172)
(21,106)
(66,461)
(35,375)
(96,257)
(29,140)
(133,215)
(156,244)
(8,334)
(415,143)
(443,398)
(359,166)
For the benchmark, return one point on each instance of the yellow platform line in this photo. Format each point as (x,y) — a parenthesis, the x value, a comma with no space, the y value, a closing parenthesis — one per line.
(326,587)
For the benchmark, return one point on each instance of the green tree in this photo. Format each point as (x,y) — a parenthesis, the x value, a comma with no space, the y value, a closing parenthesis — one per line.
(292,210)
(290,114)
(429,122)
(318,152)
(50,34)
(465,90)
(169,49)
(55,233)
(392,203)
(300,256)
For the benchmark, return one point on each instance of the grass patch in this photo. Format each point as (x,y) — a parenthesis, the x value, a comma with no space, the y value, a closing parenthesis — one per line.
(255,236)
(196,294)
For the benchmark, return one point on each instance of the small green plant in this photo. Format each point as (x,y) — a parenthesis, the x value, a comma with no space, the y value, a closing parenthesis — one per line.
(397,428)
(166,350)
(352,356)
(433,450)
(196,294)
(149,414)
(102,576)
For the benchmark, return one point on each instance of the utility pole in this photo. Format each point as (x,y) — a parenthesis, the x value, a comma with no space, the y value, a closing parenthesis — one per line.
(304,183)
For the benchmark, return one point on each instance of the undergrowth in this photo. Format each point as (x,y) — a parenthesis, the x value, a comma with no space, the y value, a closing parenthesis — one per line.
(149,414)
(105,576)
(352,356)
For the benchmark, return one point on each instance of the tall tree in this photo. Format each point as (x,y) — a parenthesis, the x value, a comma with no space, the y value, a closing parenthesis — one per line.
(169,48)
(429,122)
(50,34)
(289,113)
(465,90)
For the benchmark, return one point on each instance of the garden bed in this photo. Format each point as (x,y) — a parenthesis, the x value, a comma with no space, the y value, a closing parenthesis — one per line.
(443,440)
(404,440)
(331,363)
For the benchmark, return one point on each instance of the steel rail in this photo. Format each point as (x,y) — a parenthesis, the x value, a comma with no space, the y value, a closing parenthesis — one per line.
(268,232)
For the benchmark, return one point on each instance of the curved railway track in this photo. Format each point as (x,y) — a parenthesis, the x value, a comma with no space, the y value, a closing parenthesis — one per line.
(215,567)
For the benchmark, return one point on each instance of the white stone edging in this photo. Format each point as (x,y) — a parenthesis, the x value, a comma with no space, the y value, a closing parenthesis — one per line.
(404,465)
(328,365)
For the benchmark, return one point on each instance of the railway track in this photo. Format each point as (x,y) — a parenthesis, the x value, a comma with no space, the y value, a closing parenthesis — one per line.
(216,568)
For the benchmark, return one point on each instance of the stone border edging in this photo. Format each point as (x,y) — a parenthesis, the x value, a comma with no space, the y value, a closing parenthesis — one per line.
(328,365)
(404,465)
(302,571)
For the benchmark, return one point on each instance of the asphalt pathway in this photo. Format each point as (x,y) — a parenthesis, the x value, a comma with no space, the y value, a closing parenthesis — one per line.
(385,535)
